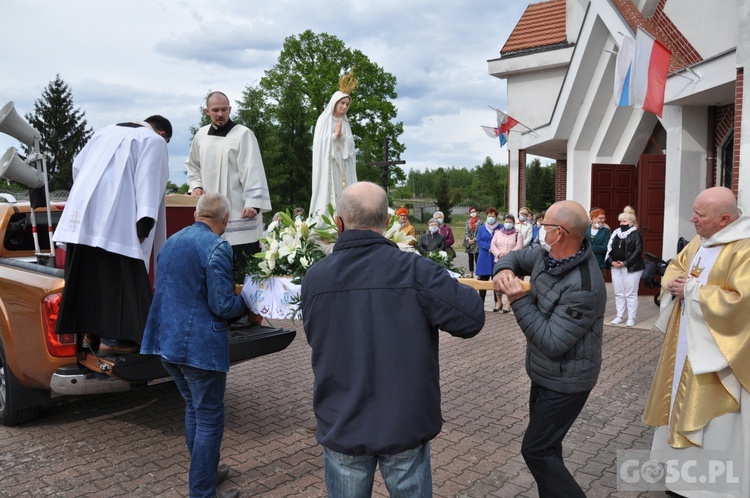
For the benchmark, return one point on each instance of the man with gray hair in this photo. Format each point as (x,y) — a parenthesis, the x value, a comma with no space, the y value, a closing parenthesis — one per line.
(562,317)
(377,393)
(187,327)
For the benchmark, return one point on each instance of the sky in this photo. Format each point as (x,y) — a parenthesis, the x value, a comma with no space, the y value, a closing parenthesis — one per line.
(128,59)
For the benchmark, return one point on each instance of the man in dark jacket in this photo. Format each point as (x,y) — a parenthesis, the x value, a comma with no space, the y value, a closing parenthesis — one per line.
(377,391)
(562,318)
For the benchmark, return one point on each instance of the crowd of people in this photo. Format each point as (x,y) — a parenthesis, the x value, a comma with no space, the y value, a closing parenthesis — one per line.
(368,415)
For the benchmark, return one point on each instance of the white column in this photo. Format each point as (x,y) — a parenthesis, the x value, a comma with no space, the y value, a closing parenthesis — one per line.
(685,178)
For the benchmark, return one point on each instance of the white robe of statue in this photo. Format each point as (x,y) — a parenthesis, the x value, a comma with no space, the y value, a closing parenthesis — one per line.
(334,159)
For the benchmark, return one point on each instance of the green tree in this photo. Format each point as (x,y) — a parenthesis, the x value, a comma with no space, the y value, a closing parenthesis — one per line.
(63,131)
(540,186)
(490,185)
(442,195)
(313,63)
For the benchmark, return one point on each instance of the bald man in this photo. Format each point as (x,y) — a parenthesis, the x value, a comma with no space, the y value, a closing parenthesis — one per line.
(562,317)
(371,316)
(698,399)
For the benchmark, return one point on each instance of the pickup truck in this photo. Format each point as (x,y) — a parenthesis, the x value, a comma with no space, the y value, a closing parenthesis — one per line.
(37,366)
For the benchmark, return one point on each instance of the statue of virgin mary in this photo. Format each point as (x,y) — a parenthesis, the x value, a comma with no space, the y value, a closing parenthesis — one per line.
(334,157)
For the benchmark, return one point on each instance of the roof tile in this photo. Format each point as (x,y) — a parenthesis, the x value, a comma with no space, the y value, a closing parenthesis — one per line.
(541,25)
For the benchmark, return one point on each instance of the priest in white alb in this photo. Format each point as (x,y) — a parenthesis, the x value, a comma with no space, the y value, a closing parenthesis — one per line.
(699,396)
(334,157)
(113,217)
(225,158)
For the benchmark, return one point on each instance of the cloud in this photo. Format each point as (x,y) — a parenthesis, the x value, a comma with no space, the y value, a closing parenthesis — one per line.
(129,59)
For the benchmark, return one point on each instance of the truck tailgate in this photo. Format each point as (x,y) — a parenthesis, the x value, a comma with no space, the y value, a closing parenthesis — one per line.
(244,344)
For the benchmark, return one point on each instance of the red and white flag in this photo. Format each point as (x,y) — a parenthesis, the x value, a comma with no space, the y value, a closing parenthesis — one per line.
(504,124)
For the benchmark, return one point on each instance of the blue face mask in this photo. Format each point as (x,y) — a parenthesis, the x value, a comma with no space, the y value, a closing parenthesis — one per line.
(491,220)
(508,226)
(433,229)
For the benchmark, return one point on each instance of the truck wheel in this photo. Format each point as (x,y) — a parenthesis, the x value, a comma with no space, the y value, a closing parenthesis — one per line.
(9,414)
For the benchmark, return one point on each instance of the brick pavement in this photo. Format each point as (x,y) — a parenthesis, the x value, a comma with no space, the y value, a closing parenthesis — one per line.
(132,445)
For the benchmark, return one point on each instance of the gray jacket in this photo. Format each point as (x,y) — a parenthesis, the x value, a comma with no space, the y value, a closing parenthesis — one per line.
(562,318)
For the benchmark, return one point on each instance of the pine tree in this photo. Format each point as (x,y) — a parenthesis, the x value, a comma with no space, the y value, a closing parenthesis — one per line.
(63,132)
(442,196)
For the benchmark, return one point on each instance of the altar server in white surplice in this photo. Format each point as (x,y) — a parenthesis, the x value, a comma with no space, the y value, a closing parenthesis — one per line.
(334,157)
(111,221)
(225,158)
(699,396)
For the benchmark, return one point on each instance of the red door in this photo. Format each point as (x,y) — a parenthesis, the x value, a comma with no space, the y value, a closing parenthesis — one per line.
(613,186)
(650,211)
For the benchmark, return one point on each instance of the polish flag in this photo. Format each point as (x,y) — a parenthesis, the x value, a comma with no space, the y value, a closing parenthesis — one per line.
(650,68)
(641,73)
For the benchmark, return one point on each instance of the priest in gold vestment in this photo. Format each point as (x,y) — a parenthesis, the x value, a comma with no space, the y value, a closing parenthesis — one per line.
(699,396)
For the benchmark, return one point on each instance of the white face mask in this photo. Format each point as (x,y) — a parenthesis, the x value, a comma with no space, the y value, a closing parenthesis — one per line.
(433,229)
(439,220)
(473,215)
(508,226)
(543,240)
(597,226)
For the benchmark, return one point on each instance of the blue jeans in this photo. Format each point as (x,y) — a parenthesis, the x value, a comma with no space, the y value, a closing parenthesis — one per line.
(203,391)
(552,414)
(406,474)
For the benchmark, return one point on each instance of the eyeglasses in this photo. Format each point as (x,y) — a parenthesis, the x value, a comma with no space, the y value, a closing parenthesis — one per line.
(556,226)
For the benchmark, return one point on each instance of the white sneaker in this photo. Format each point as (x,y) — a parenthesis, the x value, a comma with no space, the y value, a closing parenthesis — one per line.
(616,321)
(630,323)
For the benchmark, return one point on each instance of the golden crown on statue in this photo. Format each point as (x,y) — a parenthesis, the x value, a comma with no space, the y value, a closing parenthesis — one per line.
(347,82)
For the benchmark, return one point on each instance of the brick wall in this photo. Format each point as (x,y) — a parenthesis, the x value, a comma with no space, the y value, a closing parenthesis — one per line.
(521,179)
(738,95)
(561,179)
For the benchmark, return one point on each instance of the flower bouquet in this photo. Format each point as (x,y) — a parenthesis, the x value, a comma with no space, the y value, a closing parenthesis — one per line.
(273,277)
(444,259)
(395,235)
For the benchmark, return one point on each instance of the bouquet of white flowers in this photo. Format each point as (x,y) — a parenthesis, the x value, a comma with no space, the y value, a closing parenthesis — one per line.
(292,246)
(444,259)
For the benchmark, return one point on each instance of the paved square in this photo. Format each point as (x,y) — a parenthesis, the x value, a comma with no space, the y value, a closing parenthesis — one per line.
(132,445)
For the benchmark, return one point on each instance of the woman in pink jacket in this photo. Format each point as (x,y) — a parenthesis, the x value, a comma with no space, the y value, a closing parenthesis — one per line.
(504,240)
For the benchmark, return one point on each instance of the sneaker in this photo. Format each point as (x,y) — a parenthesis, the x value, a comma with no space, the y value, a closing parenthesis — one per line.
(616,321)
(630,323)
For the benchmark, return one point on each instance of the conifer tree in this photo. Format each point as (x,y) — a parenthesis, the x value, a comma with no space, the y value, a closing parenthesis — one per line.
(63,131)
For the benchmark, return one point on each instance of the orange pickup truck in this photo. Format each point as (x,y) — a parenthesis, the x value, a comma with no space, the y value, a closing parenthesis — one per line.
(36,365)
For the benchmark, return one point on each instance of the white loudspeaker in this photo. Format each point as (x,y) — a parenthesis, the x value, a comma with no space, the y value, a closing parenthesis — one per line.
(11,123)
(13,168)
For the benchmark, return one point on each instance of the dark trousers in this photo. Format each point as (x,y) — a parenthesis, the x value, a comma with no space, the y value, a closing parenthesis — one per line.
(552,414)
(473,257)
(483,293)
(242,254)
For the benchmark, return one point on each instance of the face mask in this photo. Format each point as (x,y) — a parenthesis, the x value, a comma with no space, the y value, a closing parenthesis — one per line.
(433,229)
(508,226)
(473,215)
(543,240)
(522,218)
(597,226)
(491,220)
(624,228)
(439,220)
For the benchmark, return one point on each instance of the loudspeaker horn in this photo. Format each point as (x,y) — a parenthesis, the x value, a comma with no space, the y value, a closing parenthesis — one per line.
(13,168)
(11,123)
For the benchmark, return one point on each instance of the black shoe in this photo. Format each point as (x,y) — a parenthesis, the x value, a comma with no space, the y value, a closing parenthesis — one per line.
(672,493)
(495,310)
(222,473)
(229,493)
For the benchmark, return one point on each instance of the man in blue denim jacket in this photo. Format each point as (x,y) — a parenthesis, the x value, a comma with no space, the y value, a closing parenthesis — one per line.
(187,327)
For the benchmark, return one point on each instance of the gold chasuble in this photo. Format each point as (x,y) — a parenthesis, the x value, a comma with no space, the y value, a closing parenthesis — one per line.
(717,311)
